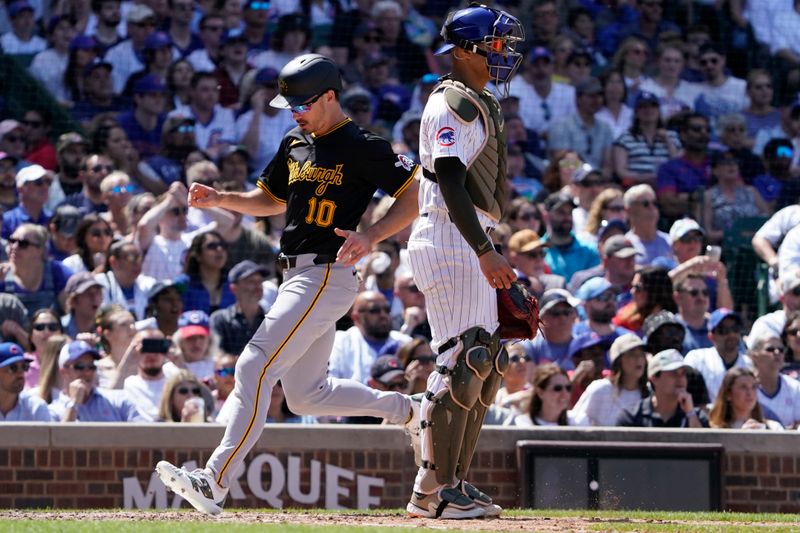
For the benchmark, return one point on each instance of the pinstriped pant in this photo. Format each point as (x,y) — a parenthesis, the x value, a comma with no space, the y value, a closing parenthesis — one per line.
(457,297)
(293,344)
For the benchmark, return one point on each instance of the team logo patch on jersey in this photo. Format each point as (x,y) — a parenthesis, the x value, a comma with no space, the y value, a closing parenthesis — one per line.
(405,162)
(446,136)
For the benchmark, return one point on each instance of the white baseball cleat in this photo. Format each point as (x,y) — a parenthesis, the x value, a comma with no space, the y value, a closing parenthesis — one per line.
(481,499)
(196,487)
(413,429)
(448,503)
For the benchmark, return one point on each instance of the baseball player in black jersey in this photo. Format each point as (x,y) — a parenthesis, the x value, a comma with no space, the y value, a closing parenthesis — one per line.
(323,176)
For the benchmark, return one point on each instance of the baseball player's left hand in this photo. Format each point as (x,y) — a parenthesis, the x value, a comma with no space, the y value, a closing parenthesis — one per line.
(356,245)
(496,269)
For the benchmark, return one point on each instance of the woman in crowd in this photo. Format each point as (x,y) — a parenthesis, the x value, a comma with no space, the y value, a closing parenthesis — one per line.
(551,399)
(607,206)
(604,399)
(205,267)
(639,151)
(418,360)
(44,324)
(92,237)
(559,172)
(517,381)
(49,385)
(630,60)
(616,113)
(33,278)
(562,46)
(791,339)
(138,206)
(761,114)
(195,345)
(175,406)
(522,214)
(737,404)
(179,77)
(651,290)
(164,306)
(674,94)
(115,325)
(730,199)
(82,50)
(111,141)
(223,380)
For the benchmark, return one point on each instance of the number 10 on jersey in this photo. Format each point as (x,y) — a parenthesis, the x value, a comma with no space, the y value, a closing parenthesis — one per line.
(320,212)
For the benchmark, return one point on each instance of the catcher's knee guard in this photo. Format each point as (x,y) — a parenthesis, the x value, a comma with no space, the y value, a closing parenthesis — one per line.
(453,404)
(475,417)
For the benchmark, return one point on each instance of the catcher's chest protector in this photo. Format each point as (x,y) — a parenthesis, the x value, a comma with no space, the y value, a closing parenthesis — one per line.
(486,173)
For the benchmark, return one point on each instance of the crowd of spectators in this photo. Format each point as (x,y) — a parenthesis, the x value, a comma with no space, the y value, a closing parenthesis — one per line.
(641,136)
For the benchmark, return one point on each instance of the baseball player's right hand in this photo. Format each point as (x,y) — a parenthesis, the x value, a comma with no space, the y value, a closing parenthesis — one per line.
(203,196)
(496,269)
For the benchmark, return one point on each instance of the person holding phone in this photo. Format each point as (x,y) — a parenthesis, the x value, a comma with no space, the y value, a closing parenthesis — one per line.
(81,400)
(145,388)
(670,404)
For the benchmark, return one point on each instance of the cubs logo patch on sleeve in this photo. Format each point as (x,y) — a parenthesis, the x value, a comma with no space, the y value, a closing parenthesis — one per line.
(405,162)
(446,136)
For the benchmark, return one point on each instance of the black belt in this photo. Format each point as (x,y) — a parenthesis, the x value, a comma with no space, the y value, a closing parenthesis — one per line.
(446,346)
(290,261)
(428,174)
(487,229)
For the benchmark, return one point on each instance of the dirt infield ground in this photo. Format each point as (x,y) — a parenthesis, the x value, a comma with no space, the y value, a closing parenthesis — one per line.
(515,521)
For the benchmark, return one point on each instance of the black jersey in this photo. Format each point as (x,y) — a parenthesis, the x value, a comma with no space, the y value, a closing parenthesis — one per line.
(328,181)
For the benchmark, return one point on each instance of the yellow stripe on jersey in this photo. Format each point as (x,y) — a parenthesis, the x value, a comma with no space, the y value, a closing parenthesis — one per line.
(336,127)
(408,182)
(266,367)
(269,193)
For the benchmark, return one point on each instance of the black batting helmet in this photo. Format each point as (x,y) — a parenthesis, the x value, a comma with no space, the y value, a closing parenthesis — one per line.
(305,77)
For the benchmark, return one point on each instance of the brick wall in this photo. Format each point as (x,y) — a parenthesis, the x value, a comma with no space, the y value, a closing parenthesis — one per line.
(85,466)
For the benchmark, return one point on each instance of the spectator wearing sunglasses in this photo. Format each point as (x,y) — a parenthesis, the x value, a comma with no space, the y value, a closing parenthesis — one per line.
(777,393)
(732,131)
(526,253)
(36,280)
(84,298)
(117,191)
(177,142)
(557,310)
(223,380)
(12,142)
(772,324)
(691,295)
(196,346)
(116,328)
(776,185)
(89,199)
(207,285)
(586,184)
(177,390)
(43,325)
(518,379)
(81,400)
(719,93)
(16,405)
(41,150)
(125,56)
(604,400)
(551,400)
(669,404)
(386,374)
(419,361)
(791,340)
(408,307)
(93,238)
(725,331)
(599,300)
(356,349)
(147,385)
(643,214)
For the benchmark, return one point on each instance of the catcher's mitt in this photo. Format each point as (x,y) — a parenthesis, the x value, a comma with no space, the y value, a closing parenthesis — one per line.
(518,312)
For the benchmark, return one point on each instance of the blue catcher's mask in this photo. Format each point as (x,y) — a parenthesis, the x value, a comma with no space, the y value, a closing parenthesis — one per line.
(489,32)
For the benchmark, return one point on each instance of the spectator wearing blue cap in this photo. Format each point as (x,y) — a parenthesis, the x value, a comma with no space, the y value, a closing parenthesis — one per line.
(144,123)
(541,100)
(16,405)
(589,360)
(22,39)
(638,152)
(96,94)
(231,67)
(725,331)
(557,309)
(599,299)
(81,400)
(235,324)
(566,255)
(670,404)
(49,66)
(261,127)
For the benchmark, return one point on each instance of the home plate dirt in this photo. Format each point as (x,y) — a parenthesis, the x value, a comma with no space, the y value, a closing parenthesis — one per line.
(509,523)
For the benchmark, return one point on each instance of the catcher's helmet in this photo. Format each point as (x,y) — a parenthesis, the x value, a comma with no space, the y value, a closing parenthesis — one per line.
(487,31)
(305,77)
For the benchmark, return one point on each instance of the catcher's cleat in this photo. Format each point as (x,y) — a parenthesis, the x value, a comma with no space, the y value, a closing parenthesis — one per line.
(196,487)
(481,499)
(413,428)
(448,503)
